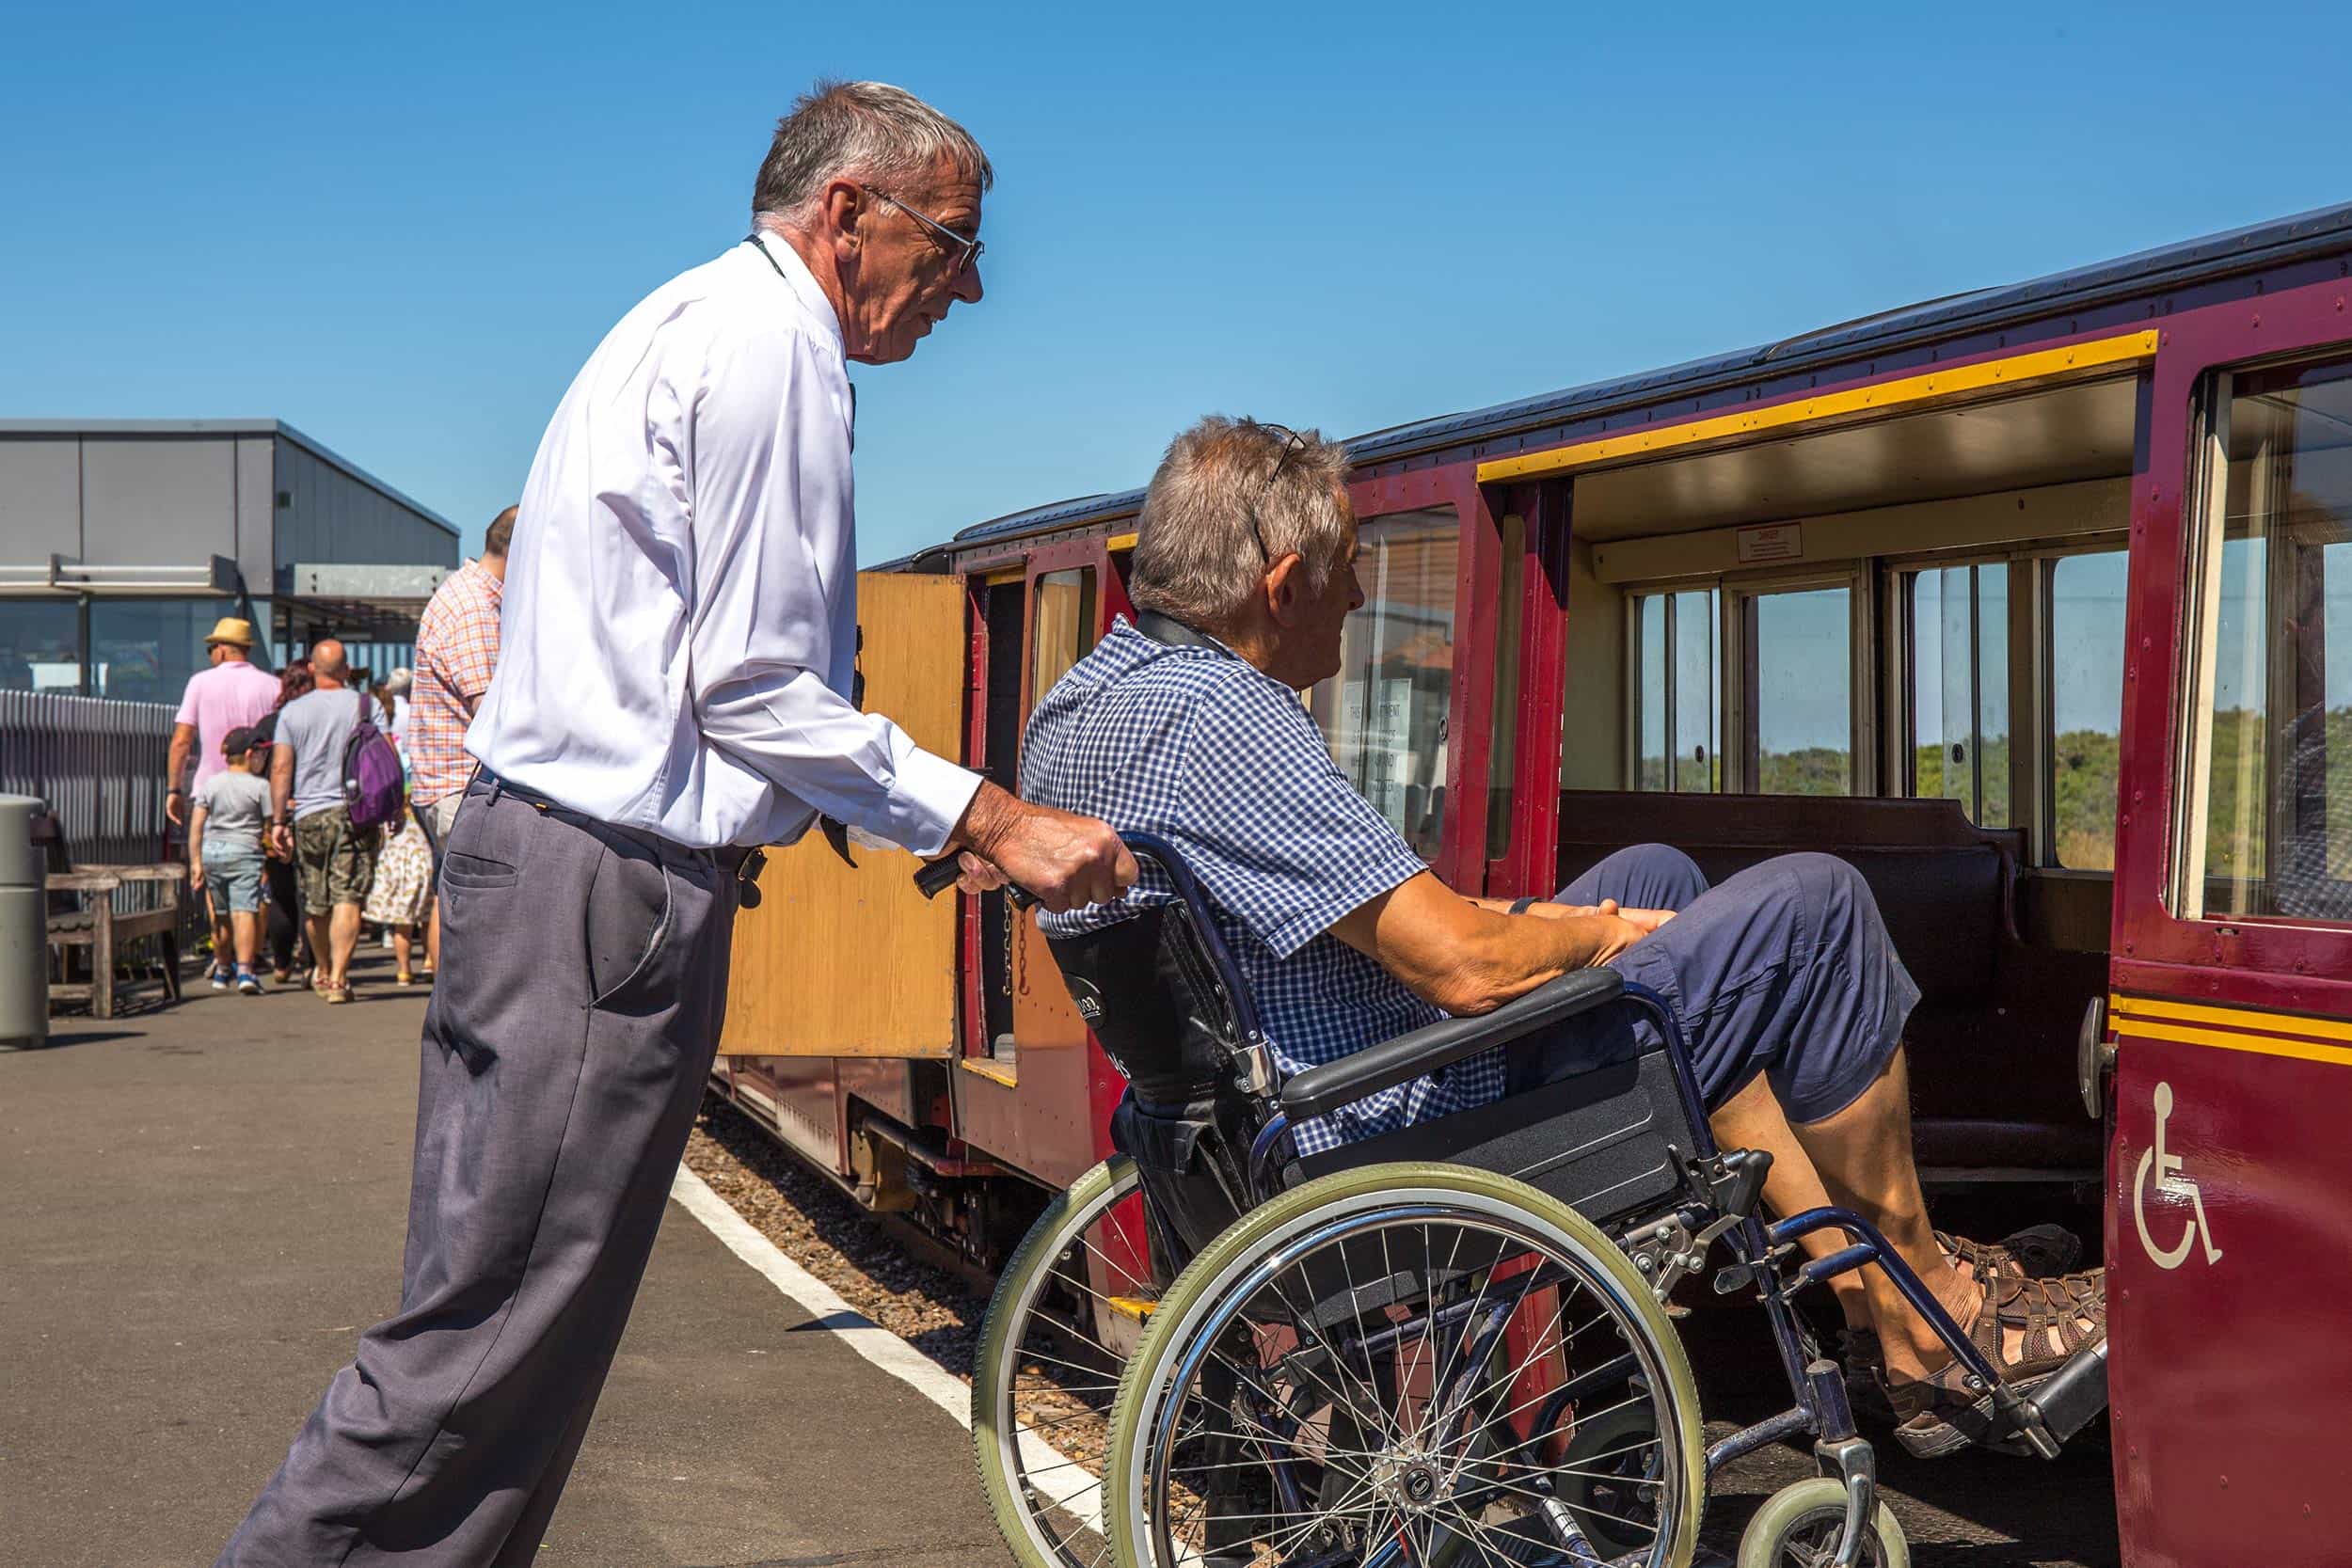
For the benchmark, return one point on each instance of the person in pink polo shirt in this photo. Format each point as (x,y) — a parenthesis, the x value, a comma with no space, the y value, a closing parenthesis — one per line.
(231,694)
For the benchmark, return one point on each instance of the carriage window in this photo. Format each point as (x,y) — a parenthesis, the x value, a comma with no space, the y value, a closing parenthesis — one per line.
(2270,765)
(1677,716)
(1064,631)
(2086,705)
(1385,713)
(1958,669)
(1799,711)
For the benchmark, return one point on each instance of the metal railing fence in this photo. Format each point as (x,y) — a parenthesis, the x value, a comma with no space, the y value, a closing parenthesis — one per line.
(100,765)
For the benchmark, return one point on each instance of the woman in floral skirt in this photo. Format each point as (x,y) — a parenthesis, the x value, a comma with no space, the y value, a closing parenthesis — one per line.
(402,890)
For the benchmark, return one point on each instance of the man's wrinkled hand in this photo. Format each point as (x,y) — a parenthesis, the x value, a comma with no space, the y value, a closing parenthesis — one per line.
(1067,861)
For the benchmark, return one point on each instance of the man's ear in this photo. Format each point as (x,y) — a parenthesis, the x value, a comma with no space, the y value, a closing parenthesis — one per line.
(845,208)
(1285,589)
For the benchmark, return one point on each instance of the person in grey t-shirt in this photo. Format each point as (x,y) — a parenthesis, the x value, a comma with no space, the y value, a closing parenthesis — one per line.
(231,809)
(336,860)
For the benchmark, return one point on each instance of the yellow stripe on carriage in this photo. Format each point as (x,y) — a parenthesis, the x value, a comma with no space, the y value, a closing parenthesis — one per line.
(2261,1045)
(2017,370)
(2229,1018)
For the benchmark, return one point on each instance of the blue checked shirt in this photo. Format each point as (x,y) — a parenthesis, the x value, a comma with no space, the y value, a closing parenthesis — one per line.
(1196,745)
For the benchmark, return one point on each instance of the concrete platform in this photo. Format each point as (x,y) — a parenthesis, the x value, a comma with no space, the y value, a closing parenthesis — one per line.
(201,1206)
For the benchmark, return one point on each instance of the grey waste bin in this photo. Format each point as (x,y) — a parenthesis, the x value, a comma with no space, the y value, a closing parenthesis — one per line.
(24,925)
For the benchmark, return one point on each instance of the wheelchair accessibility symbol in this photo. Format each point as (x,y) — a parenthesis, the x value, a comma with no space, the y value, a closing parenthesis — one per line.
(2172,1183)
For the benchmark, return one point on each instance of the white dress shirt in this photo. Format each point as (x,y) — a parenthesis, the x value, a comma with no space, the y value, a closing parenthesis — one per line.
(680,619)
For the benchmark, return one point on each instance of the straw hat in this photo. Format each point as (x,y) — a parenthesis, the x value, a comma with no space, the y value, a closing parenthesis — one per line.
(231,630)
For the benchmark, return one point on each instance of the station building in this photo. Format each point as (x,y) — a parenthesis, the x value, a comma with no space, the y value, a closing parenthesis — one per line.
(122,540)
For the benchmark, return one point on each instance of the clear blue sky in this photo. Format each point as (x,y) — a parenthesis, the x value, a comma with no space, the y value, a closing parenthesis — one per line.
(402,228)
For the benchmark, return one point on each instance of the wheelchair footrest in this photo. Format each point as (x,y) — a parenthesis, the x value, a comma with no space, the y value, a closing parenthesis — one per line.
(2075,1394)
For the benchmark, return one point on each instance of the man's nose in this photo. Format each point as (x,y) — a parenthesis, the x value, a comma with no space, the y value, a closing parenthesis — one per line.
(967,287)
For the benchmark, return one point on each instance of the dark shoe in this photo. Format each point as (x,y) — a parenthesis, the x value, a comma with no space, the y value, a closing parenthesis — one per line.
(248,983)
(1864,1365)
(2038,1251)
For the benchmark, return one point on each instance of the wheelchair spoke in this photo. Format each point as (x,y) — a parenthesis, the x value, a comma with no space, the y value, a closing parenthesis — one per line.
(1330,1418)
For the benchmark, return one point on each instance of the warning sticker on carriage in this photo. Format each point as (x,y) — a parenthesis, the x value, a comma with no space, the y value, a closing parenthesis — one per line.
(1771,542)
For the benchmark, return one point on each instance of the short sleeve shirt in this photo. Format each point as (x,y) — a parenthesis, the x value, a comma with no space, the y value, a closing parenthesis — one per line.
(236,806)
(457,652)
(221,699)
(318,726)
(1224,762)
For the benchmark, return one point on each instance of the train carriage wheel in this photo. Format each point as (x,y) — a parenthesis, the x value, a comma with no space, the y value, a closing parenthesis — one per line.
(1052,1348)
(1330,1382)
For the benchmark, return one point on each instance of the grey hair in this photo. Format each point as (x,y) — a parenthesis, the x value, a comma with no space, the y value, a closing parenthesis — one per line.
(870,132)
(1197,553)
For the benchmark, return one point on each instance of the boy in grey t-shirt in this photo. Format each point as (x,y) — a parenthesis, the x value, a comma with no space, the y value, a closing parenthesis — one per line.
(231,811)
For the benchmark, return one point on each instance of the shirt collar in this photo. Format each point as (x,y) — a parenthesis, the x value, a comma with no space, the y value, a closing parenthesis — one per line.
(802,281)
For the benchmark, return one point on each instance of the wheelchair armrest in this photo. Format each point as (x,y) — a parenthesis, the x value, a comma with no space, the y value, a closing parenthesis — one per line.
(1325,1088)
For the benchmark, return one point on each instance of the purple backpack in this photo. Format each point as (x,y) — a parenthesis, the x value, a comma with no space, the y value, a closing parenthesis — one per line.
(372,774)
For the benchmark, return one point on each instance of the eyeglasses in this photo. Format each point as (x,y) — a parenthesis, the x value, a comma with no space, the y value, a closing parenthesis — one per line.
(968,250)
(1293,444)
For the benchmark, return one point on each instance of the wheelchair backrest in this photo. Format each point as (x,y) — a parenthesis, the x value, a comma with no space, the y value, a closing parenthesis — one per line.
(1164,997)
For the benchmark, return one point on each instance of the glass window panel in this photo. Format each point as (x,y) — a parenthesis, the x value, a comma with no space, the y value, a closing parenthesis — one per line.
(2275,774)
(2087,695)
(1652,748)
(1991,682)
(1384,714)
(40,645)
(1064,630)
(1804,717)
(144,650)
(1696,716)
(1959,673)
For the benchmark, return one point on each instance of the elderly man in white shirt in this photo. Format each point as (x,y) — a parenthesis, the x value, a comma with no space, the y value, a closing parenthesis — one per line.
(679,633)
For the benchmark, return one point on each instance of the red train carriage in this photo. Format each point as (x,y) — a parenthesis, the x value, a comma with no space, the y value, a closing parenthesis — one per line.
(2021,601)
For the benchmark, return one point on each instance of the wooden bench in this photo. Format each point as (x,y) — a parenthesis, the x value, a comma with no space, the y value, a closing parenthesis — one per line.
(81,914)
(1991,1042)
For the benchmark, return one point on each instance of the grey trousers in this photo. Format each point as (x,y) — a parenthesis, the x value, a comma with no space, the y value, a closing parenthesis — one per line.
(572,1025)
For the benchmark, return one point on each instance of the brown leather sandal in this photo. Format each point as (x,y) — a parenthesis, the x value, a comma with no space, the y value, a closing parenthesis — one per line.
(1951,1408)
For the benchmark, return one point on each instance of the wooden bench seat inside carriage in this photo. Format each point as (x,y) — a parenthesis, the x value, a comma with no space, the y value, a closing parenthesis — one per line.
(1992,1041)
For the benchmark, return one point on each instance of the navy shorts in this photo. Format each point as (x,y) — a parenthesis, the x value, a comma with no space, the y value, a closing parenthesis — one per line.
(1785,969)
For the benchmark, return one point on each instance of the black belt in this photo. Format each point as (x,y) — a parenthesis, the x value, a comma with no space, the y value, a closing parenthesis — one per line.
(743,862)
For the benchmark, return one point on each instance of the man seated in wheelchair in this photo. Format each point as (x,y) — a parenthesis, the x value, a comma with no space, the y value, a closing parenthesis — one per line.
(1783,980)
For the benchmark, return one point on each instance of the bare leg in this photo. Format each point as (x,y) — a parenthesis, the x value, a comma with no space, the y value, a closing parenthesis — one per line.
(223,933)
(404,938)
(318,925)
(1863,1156)
(344,934)
(248,928)
(1752,1120)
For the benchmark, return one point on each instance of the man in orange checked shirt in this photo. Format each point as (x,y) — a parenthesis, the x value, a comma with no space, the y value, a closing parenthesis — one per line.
(457,650)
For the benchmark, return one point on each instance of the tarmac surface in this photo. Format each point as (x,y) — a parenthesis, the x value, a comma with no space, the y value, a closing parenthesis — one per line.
(203,1206)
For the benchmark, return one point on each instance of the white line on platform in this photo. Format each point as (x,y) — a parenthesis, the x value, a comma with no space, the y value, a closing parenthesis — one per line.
(1051,1472)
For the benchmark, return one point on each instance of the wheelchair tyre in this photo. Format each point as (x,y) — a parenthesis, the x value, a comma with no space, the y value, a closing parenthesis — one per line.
(1045,1485)
(1208,1308)
(1799,1527)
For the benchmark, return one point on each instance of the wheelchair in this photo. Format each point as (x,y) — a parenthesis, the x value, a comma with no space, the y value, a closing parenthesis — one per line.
(1448,1345)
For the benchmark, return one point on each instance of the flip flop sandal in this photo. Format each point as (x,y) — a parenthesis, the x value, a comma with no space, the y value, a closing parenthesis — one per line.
(1951,1408)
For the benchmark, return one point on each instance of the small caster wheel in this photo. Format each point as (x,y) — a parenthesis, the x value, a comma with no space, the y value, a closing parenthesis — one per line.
(1799,1527)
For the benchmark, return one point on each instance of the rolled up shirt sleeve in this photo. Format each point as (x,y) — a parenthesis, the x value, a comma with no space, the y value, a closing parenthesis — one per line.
(773,643)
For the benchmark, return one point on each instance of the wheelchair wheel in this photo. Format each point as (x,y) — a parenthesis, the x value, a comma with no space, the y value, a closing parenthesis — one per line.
(1799,1527)
(1353,1372)
(1070,1303)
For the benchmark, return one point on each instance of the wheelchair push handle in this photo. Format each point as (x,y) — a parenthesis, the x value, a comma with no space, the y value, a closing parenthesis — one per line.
(933,877)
